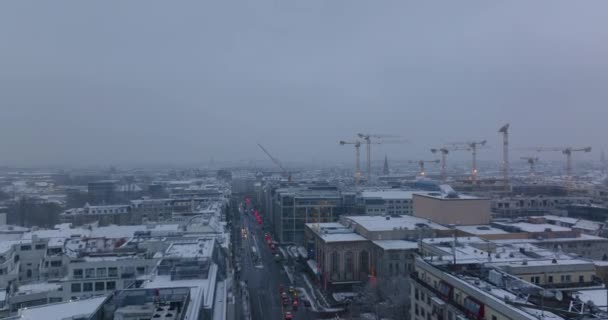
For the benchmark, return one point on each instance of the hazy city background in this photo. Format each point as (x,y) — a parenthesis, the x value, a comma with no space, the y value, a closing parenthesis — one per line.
(117,82)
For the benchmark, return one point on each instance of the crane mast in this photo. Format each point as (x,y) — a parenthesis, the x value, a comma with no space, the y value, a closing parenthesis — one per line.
(276,162)
(368,140)
(444,158)
(505,154)
(568,151)
(357,145)
(532,162)
(421,163)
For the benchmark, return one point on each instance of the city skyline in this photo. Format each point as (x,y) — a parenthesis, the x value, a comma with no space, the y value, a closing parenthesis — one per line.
(172,83)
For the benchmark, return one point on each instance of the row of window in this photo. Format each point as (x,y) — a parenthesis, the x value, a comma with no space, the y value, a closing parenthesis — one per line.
(93,286)
(564,278)
(28,247)
(89,273)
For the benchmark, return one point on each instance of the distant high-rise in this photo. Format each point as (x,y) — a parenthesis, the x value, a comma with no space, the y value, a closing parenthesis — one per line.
(603,162)
(385,171)
(102,192)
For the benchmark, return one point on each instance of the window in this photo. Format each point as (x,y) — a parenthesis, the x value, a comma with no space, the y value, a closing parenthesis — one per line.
(56,263)
(349,261)
(550,279)
(141,270)
(112,272)
(89,273)
(416,309)
(77,273)
(29,273)
(100,286)
(422,312)
(26,248)
(76,287)
(110,285)
(494,317)
(40,247)
(87,287)
(55,299)
(416,293)
(364,262)
(335,262)
(535,279)
(101,272)
(581,279)
(565,278)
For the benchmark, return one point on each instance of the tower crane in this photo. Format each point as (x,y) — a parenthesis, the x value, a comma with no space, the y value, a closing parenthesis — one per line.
(568,152)
(276,162)
(445,150)
(473,147)
(532,161)
(421,165)
(505,154)
(357,145)
(368,139)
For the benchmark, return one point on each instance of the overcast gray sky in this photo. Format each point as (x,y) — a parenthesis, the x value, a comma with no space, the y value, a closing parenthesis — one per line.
(99,82)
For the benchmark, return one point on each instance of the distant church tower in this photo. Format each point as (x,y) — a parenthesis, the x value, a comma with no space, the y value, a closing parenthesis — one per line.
(385,171)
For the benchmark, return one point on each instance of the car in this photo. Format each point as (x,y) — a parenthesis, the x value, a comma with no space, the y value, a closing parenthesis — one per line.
(285,302)
(288,316)
(284,295)
(292,290)
(294,305)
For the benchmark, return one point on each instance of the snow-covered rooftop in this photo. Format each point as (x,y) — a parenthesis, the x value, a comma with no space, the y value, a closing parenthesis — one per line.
(396,244)
(481,229)
(201,248)
(534,227)
(37,288)
(61,311)
(380,223)
(391,194)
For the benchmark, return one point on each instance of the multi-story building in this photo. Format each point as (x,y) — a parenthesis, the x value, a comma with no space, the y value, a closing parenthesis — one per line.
(450,208)
(471,278)
(529,205)
(104,215)
(388,202)
(359,247)
(294,207)
(102,192)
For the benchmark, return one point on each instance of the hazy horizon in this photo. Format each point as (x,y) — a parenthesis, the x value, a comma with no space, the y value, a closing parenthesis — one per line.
(117,82)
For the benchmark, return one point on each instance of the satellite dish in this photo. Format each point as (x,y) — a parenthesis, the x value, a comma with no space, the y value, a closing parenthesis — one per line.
(559,295)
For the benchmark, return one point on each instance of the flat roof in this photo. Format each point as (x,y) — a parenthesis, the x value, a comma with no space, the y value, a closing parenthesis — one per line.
(390,194)
(341,237)
(202,248)
(63,310)
(533,227)
(481,229)
(442,196)
(38,287)
(382,223)
(396,244)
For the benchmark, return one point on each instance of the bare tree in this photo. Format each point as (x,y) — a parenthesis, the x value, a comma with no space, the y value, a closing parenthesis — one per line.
(386,298)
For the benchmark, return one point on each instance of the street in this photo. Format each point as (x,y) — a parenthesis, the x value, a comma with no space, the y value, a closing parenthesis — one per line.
(263,275)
